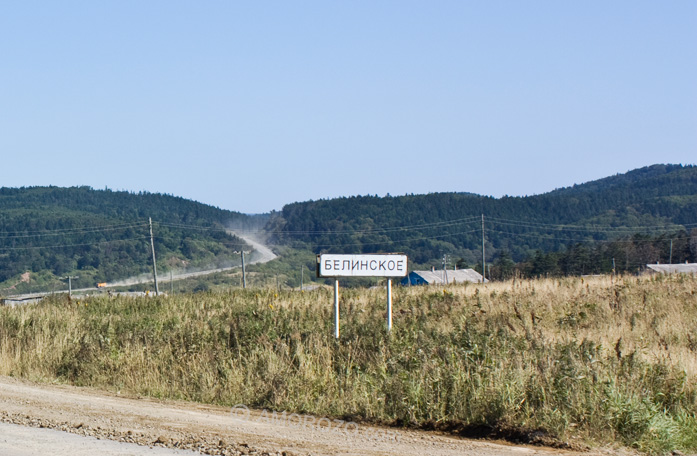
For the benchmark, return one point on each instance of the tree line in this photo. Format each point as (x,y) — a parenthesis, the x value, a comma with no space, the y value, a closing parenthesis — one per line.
(627,217)
(627,255)
(104,234)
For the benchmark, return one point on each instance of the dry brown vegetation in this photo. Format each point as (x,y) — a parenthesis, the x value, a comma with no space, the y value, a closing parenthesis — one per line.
(596,360)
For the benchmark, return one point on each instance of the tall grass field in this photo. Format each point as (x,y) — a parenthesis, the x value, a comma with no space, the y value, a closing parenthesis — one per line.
(599,361)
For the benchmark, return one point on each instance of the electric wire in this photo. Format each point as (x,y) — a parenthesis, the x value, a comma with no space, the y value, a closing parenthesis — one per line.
(435,228)
(69,231)
(387,229)
(390,241)
(38,247)
(546,237)
(591,228)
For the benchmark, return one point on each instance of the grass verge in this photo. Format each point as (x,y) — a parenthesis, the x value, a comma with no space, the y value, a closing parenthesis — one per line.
(561,362)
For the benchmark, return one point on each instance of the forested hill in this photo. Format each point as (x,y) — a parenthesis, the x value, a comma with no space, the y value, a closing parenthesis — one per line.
(103,235)
(655,202)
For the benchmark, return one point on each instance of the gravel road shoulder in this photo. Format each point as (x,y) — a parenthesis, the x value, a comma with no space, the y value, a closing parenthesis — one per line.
(220,430)
(16,440)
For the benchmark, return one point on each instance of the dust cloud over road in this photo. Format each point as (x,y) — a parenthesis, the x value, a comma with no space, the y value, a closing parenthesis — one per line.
(260,253)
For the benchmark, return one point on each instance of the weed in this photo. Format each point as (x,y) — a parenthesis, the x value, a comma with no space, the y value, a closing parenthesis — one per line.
(555,360)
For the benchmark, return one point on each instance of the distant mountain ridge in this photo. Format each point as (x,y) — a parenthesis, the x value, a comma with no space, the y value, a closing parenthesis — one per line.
(47,233)
(650,200)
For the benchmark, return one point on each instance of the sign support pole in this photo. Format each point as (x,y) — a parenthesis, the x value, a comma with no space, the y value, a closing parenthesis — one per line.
(334,266)
(336,308)
(389,305)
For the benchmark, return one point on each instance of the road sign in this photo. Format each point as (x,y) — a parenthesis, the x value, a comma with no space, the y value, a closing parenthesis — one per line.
(369,265)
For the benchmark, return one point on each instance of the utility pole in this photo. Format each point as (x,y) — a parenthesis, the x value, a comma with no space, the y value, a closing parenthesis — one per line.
(302,276)
(70,284)
(445,268)
(670,261)
(244,272)
(483,253)
(171,283)
(154,263)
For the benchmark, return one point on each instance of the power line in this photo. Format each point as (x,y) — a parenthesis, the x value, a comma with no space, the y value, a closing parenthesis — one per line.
(69,231)
(593,228)
(72,245)
(162,237)
(441,225)
(388,229)
(392,241)
(596,229)
(551,237)
(189,227)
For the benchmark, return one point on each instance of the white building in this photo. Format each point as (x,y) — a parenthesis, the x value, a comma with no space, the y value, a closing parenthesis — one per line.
(682,268)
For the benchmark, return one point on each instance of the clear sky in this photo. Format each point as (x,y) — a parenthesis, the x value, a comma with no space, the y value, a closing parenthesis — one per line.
(252,105)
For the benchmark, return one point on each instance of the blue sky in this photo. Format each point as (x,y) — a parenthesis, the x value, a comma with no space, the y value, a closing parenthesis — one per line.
(252,105)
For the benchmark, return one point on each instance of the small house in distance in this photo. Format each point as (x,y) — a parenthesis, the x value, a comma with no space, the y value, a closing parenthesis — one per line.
(683,268)
(442,277)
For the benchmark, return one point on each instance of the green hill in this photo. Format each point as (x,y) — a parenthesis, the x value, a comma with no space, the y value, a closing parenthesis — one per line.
(103,235)
(656,203)
(627,220)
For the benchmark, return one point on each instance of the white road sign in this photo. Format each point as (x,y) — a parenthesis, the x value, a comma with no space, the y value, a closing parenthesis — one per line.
(371,265)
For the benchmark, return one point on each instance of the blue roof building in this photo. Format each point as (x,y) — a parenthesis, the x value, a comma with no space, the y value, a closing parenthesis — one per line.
(443,277)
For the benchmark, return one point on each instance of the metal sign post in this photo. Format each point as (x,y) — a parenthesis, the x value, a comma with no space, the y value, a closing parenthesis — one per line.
(336,308)
(375,265)
(389,305)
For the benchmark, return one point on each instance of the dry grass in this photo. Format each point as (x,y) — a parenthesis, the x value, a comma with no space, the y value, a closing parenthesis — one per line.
(594,360)
(654,318)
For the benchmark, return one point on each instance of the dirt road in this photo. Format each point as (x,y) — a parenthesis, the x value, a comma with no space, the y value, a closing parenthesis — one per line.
(217,430)
(261,253)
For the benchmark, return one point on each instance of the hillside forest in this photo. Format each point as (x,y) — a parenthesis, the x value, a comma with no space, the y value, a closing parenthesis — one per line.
(622,222)
(619,223)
